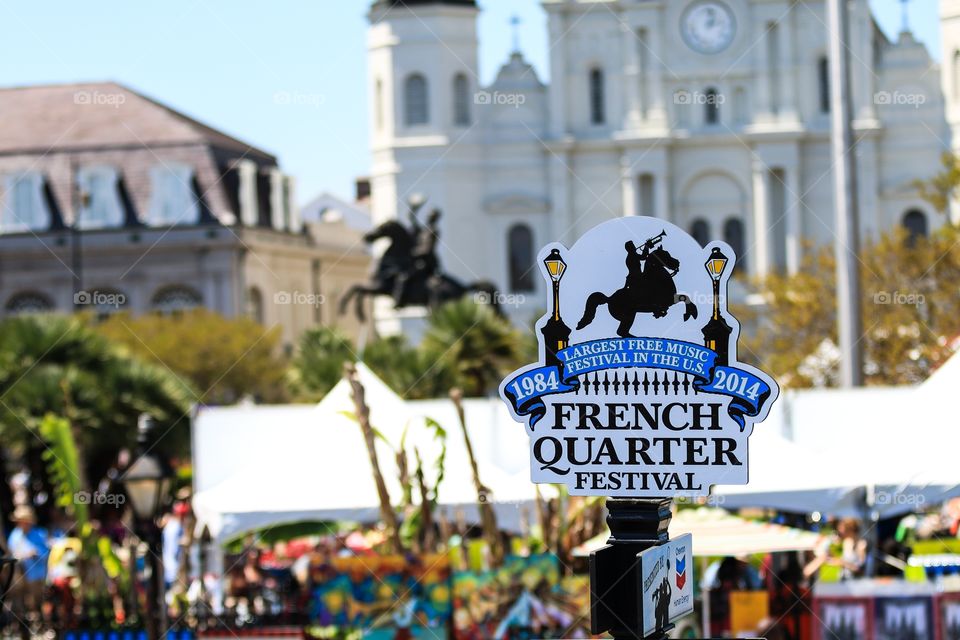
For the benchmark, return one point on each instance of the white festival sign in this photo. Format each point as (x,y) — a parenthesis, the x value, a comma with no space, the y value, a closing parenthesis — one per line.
(638,391)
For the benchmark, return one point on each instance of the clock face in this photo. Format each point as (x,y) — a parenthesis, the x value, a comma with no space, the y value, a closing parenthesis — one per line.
(708,26)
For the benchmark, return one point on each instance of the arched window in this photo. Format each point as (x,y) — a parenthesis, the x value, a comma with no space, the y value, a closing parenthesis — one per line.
(255,304)
(176,298)
(734,235)
(646,199)
(28,302)
(700,230)
(597,98)
(823,83)
(711,106)
(461,100)
(520,242)
(416,107)
(915,222)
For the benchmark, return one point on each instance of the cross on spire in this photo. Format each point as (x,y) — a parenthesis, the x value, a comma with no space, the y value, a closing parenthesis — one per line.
(904,16)
(515,25)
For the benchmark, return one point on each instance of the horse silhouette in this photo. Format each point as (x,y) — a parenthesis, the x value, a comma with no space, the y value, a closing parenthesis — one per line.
(649,288)
(421,289)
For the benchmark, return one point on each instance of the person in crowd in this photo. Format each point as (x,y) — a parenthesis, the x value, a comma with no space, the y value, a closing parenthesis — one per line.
(723,577)
(846,550)
(29,544)
(172,550)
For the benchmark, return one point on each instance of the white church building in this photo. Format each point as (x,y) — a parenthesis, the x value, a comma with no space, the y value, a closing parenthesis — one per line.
(712,114)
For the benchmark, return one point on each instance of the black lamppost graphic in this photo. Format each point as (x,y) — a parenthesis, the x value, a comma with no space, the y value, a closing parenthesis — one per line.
(556,334)
(716,333)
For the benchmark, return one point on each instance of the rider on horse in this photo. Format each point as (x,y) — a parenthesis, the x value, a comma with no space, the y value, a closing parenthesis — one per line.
(424,254)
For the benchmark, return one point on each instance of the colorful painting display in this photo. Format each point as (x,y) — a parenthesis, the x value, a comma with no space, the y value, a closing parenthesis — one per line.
(370,592)
(409,597)
(526,598)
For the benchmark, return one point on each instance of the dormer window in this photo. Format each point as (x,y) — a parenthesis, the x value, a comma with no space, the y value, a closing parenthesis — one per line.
(104,208)
(173,198)
(26,207)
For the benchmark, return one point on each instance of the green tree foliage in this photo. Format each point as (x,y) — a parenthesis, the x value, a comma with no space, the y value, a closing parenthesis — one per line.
(473,346)
(223,359)
(59,365)
(404,368)
(911,313)
(318,363)
(98,560)
(940,189)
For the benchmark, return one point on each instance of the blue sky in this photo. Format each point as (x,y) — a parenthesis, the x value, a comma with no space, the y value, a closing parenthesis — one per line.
(285,75)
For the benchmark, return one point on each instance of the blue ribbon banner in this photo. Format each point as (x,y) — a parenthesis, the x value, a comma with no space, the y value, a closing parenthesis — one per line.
(748,392)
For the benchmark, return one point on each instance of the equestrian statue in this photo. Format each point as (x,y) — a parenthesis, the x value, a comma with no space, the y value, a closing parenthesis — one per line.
(409,270)
(649,288)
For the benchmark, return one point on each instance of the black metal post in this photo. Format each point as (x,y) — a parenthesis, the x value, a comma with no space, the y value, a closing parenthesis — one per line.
(615,596)
(157,615)
(153,616)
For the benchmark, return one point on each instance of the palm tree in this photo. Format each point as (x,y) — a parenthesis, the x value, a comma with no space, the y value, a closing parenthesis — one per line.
(318,365)
(406,369)
(473,346)
(57,364)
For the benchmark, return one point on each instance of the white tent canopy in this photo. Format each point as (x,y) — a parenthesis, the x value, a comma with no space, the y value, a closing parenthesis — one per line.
(886,450)
(787,476)
(255,466)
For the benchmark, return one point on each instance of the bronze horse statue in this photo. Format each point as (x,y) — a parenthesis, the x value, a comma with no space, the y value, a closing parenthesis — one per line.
(649,288)
(407,277)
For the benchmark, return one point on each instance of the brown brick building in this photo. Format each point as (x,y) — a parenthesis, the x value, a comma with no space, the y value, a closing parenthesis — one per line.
(110,199)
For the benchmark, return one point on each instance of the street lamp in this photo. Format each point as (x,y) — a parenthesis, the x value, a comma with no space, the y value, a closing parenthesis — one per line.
(556,334)
(716,333)
(147,483)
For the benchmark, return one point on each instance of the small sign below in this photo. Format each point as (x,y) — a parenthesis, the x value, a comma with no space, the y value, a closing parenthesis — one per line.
(666,583)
